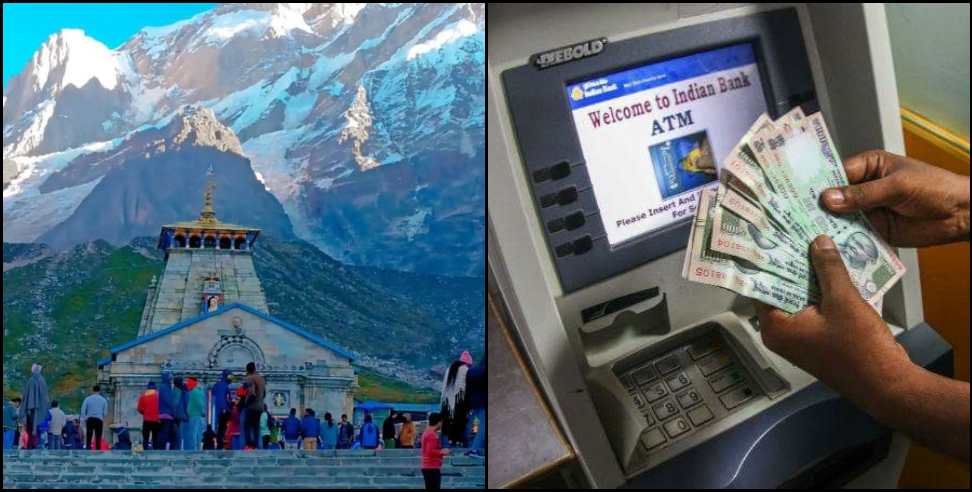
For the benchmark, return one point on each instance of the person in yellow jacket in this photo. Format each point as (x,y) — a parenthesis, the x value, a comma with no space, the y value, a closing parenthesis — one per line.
(406,437)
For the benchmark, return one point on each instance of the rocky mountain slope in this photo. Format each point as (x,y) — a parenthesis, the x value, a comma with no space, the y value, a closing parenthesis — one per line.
(364,121)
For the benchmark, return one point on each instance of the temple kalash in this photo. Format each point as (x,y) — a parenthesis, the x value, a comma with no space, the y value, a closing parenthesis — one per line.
(207,313)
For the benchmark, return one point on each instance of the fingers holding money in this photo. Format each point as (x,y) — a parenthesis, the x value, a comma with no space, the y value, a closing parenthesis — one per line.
(867,166)
(757,227)
(835,283)
(882,192)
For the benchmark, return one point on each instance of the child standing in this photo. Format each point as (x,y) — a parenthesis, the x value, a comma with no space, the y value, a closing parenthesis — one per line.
(432,453)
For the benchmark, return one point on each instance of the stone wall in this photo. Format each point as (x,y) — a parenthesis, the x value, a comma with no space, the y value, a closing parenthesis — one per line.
(179,294)
(277,345)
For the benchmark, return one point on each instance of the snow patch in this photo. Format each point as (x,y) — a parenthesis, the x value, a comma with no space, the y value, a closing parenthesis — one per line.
(347,12)
(280,22)
(325,67)
(288,17)
(298,107)
(461,29)
(412,225)
(33,133)
(259,178)
(336,88)
(225,27)
(268,158)
(25,218)
(34,170)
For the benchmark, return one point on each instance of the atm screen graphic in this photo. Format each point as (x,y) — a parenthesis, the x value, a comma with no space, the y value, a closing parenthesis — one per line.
(653,135)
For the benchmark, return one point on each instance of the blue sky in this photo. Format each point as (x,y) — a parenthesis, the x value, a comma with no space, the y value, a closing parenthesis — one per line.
(26,26)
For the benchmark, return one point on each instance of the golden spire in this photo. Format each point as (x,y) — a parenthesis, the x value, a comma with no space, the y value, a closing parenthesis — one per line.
(208,215)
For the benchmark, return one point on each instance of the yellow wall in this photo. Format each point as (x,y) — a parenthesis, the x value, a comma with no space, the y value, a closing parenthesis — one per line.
(945,297)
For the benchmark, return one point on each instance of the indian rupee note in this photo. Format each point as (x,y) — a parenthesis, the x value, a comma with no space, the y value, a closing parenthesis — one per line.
(812,165)
(714,268)
(768,251)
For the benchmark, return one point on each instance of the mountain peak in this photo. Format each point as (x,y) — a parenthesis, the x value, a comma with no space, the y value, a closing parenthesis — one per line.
(199,126)
(71,57)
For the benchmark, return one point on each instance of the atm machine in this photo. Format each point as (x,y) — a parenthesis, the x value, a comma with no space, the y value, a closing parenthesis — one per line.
(658,382)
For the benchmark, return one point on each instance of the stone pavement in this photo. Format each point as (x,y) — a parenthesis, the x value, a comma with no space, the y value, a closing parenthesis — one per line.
(283,469)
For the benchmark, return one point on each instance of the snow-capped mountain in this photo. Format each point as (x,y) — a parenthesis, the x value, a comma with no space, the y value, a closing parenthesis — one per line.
(365,121)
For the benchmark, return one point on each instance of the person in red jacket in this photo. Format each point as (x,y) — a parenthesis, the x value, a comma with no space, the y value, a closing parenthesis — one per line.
(148,406)
(432,453)
(232,439)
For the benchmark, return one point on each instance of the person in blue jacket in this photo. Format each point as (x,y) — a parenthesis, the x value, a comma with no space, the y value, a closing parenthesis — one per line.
(310,428)
(369,433)
(291,430)
(167,413)
(180,402)
(221,403)
(329,432)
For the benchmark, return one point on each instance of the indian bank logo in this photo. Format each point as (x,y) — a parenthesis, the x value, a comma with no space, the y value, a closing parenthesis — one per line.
(577,94)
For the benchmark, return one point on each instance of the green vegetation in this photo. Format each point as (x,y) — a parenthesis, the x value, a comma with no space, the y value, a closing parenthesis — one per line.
(374,386)
(66,312)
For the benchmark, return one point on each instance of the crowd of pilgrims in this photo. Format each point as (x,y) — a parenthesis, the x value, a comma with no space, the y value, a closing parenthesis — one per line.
(174,417)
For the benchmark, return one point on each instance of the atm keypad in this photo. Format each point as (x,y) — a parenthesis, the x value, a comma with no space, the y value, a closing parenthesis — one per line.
(727,379)
(677,427)
(715,362)
(665,409)
(689,398)
(736,397)
(644,375)
(655,391)
(638,399)
(667,364)
(682,390)
(703,346)
(678,382)
(652,438)
(700,415)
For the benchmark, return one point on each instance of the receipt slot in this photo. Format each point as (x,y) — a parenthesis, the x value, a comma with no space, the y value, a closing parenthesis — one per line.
(605,121)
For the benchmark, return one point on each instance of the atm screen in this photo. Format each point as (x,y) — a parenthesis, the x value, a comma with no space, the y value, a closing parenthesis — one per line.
(654,135)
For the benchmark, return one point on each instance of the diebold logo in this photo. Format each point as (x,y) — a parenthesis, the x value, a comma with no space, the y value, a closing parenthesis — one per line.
(568,53)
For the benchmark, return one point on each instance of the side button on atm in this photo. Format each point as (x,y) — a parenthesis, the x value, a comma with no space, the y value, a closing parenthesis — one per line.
(562,197)
(555,172)
(583,245)
(569,223)
(577,247)
(574,220)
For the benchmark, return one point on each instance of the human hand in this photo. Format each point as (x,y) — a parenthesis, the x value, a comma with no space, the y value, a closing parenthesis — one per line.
(910,203)
(842,341)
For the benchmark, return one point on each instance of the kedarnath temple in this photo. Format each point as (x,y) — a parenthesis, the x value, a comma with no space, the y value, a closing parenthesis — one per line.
(208,313)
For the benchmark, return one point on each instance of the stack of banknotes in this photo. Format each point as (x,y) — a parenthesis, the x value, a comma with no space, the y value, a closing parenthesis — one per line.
(752,234)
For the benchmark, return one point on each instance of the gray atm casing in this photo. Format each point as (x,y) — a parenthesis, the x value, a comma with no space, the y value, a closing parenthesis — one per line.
(804,437)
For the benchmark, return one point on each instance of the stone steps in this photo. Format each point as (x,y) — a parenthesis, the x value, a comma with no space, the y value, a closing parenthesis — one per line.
(285,469)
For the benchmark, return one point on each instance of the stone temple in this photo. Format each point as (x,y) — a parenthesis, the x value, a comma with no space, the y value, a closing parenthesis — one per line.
(208,313)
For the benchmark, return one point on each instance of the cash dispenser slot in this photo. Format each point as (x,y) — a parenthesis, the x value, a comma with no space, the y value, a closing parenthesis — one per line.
(624,322)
